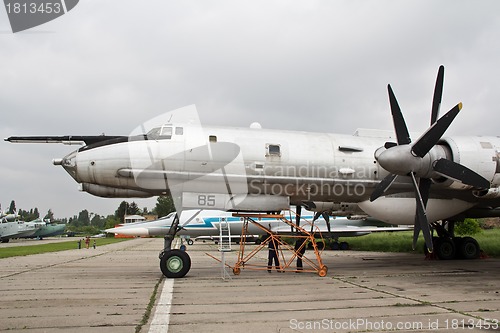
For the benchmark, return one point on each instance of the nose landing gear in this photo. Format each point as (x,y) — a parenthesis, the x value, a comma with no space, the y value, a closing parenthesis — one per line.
(174,263)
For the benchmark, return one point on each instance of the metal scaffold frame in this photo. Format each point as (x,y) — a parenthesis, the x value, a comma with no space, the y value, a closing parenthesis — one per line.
(287,254)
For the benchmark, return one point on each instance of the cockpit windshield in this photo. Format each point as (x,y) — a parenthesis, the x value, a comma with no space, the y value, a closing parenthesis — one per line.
(158,133)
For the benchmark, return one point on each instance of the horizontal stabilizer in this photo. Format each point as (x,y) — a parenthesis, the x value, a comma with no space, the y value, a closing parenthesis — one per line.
(66,139)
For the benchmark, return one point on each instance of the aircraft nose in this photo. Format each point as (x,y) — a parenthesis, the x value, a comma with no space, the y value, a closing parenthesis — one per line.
(68,162)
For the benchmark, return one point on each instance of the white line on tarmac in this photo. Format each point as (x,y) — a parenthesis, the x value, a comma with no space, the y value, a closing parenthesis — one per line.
(160,321)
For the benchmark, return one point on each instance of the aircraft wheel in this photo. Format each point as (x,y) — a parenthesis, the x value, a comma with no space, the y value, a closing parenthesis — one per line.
(5,240)
(320,245)
(344,246)
(468,248)
(175,263)
(323,271)
(334,246)
(445,249)
(190,241)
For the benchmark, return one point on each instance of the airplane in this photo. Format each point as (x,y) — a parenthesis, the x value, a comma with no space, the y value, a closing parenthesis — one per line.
(15,229)
(434,179)
(45,229)
(207,223)
(8,217)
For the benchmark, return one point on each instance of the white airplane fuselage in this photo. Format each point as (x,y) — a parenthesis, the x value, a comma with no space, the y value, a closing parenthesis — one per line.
(244,169)
(196,223)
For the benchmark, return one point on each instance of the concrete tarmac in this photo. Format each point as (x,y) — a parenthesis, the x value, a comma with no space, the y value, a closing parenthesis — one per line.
(103,290)
(108,290)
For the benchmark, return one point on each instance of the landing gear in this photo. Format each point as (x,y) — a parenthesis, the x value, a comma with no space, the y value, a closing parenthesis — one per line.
(336,245)
(174,263)
(448,247)
(445,248)
(468,248)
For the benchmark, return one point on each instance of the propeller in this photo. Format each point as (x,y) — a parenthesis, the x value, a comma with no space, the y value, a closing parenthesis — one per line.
(420,160)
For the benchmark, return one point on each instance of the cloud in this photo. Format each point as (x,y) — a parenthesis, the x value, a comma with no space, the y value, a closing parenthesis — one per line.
(301,65)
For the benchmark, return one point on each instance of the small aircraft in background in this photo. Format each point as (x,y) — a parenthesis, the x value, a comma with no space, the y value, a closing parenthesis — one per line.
(6,216)
(45,229)
(207,223)
(11,227)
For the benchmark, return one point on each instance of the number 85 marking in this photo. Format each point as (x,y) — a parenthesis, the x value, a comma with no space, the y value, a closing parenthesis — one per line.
(206,200)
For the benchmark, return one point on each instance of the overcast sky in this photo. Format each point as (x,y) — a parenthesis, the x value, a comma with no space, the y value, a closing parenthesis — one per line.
(323,66)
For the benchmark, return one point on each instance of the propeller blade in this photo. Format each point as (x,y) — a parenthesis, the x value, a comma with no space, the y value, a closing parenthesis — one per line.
(416,231)
(424,187)
(435,132)
(421,217)
(402,134)
(438,93)
(383,186)
(388,145)
(460,173)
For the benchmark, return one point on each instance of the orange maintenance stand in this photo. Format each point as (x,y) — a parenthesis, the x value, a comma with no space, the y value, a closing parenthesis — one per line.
(287,254)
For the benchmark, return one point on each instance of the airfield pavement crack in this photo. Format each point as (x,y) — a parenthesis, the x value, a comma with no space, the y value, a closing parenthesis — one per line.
(421,302)
(52,265)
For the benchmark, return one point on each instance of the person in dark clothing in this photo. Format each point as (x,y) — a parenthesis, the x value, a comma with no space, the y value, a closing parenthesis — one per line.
(300,250)
(273,255)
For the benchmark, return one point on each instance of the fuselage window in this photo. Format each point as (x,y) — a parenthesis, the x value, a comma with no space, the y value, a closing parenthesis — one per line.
(273,150)
(212,138)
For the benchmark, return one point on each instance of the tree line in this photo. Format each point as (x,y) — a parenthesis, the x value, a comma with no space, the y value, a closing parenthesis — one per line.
(86,221)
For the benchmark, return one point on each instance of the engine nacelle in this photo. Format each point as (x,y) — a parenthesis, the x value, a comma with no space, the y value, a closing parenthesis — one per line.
(399,210)
(476,153)
(111,192)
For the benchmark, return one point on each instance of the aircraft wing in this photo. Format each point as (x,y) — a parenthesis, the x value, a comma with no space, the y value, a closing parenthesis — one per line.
(342,231)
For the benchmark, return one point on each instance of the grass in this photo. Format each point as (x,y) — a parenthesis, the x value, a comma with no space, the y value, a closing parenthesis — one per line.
(147,314)
(489,241)
(52,247)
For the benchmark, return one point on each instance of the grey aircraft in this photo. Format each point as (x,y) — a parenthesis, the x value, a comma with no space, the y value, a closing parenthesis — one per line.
(429,182)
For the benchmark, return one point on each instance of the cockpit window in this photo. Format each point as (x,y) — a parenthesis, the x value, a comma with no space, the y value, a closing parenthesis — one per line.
(158,133)
(154,133)
(166,132)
